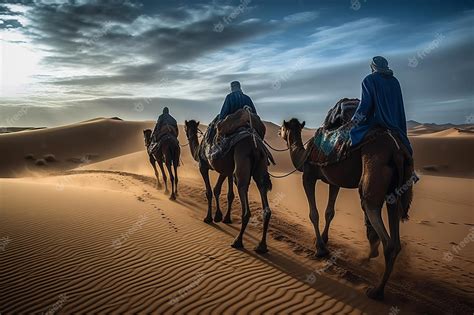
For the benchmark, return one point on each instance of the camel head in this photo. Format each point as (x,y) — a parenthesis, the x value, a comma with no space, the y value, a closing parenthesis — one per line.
(292,126)
(147,135)
(191,127)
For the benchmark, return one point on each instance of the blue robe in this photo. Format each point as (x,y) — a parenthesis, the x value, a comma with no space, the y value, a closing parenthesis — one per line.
(235,101)
(381,105)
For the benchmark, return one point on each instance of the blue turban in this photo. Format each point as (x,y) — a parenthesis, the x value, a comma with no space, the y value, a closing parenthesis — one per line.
(380,64)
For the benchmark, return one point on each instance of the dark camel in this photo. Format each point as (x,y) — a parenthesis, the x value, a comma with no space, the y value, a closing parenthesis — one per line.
(243,163)
(169,153)
(377,169)
(192,131)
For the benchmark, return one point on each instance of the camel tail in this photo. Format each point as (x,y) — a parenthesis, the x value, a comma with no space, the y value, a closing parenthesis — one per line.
(267,182)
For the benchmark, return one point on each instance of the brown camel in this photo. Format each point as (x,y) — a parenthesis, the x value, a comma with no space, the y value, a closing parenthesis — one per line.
(243,163)
(192,131)
(377,169)
(169,153)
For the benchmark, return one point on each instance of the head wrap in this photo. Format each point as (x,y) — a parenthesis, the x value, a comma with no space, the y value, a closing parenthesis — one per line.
(380,64)
(235,86)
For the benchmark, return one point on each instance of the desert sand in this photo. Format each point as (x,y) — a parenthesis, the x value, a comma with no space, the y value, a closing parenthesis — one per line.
(87,231)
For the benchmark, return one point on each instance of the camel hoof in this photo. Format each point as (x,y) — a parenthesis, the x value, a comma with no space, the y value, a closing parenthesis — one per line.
(173,197)
(237,243)
(218,217)
(261,249)
(159,187)
(375,293)
(227,220)
(208,220)
(322,252)
(167,192)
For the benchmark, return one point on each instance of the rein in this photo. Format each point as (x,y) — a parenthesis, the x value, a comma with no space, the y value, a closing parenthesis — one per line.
(288,148)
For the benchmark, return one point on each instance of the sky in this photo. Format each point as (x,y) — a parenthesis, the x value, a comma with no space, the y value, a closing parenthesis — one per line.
(63,61)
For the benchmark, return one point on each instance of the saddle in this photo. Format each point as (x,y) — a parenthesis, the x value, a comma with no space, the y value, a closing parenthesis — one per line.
(222,136)
(239,119)
(331,142)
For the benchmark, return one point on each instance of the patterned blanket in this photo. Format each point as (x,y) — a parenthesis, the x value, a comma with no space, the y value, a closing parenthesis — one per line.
(215,147)
(332,142)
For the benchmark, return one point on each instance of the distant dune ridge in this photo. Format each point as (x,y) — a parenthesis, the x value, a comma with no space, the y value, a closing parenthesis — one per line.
(104,138)
(88,231)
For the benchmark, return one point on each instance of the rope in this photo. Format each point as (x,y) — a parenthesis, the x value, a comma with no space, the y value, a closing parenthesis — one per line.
(282,150)
(247,108)
(296,169)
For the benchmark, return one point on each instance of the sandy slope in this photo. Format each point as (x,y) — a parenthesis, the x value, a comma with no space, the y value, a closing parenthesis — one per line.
(61,235)
(64,249)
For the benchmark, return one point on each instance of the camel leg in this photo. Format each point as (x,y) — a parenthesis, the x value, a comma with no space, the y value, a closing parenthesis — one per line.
(205,176)
(333,191)
(262,184)
(242,173)
(217,194)
(152,162)
(175,166)
(172,178)
(309,183)
(374,187)
(373,238)
(165,179)
(230,200)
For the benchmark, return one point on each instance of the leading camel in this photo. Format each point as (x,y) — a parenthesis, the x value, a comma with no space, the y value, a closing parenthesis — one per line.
(169,153)
(243,162)
(377,169)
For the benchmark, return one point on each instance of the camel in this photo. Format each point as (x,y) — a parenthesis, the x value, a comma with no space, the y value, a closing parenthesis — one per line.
(377,169)
(242,163)
(169,154)
(192,130)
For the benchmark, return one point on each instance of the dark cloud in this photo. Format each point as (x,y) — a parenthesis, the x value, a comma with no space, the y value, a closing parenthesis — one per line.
(109,34)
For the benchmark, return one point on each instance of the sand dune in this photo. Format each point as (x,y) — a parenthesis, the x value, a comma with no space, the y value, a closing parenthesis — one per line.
(97,236)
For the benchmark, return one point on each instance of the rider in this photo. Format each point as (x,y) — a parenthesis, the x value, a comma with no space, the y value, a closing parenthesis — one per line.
(165,119)
(381,104)
(235,100)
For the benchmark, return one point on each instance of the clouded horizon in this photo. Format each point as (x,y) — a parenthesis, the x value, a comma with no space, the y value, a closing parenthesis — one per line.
(65,61)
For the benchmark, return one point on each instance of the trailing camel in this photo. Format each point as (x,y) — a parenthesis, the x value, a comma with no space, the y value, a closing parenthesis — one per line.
(377,169)
(169,153)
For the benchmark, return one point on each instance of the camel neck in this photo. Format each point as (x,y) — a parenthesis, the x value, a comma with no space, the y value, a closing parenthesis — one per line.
(194,146)
(297,150)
